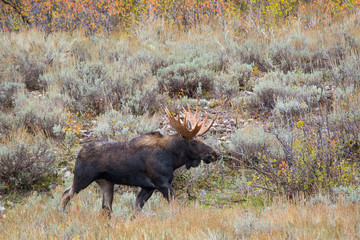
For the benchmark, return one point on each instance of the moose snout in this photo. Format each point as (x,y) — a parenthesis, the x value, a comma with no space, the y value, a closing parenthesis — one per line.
(214,156)
(211,157)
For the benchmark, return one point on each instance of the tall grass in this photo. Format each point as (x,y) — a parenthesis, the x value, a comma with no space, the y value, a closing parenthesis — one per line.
(39,218)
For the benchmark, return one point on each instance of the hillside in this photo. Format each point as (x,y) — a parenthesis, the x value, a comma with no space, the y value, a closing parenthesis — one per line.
(283,78)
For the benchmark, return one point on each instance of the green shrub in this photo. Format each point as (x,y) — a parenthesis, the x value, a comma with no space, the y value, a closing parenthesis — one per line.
(96,87)
(342,94)
(283,55)
(277,87)
(81,49)
(347,72)
(118,126)
(241,74)
(348,193)
(140,57)
(116,50)
(290,108)
(91,86)
(7,93)
(25,159)
(266,93)
(213,61)
(237,78)
(38,112)
(226,87)
(143,101)
(26,56)
(255,53)
(294,53)
(191,181)
(6,122)
(252,142)
(184,79)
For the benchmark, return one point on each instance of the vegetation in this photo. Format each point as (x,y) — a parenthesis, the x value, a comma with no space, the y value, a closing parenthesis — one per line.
(283,77)
(318,217)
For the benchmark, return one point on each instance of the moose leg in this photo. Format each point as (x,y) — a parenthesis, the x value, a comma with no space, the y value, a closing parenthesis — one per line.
(78,185)
(142,197)
(167,192)
(66,196)
(107,194)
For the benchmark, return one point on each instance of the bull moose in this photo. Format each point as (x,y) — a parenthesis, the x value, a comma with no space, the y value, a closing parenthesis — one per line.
(147,161)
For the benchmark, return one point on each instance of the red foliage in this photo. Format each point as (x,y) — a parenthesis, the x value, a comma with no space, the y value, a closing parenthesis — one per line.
(105,15)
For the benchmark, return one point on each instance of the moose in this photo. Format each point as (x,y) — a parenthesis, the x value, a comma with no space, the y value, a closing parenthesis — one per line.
(147,161)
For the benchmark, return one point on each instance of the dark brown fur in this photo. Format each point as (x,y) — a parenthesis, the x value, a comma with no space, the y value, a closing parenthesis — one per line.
(147,161)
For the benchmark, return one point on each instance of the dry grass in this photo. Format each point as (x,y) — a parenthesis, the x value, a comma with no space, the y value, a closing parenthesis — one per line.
(39,218)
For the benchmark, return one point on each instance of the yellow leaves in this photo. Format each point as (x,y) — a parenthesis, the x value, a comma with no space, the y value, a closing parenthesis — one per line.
(283,167)
(255,70)
(300,124)
(71,124)
(102,15)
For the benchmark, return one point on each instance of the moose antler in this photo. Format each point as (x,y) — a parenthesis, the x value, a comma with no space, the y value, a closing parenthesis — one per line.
(196,126)
(181,127)
(195,118)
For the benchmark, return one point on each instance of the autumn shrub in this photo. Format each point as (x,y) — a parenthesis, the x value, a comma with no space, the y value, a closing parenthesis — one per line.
(320,162)
(107,16)
(316,132)
(25,158)
(319,152)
